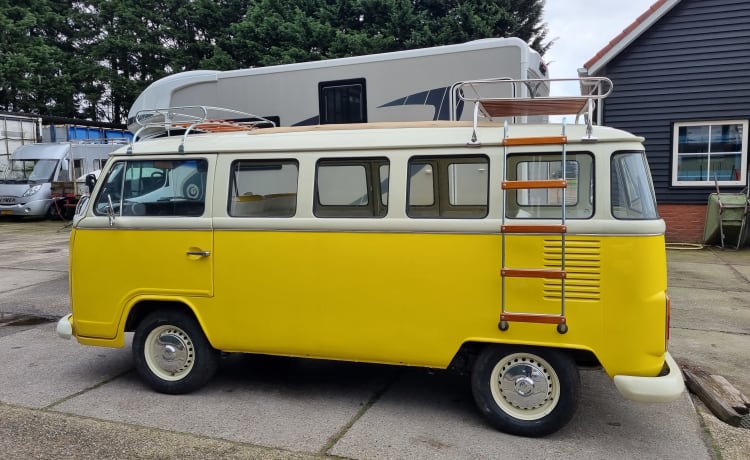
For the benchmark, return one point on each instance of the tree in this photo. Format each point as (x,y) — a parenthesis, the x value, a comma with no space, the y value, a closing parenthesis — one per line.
(35,74)
(283,31)
(92,58)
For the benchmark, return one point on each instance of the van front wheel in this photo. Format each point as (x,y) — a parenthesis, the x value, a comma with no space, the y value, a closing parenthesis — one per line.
(525,391)
(172,354)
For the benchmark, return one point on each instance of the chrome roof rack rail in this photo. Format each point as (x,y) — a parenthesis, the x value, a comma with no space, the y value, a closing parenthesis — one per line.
(510,98)
(193,119)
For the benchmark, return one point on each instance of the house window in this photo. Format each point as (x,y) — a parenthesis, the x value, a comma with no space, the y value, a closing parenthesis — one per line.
(343,101)
(705,152)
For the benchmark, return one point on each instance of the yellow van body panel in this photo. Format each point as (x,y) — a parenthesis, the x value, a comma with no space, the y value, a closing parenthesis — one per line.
(385,297)
(113,268)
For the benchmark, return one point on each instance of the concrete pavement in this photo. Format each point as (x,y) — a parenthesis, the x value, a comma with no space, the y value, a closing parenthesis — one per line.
(63,400)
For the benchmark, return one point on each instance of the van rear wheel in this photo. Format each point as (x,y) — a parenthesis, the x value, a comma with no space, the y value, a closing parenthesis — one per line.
(172,354)
(526,391)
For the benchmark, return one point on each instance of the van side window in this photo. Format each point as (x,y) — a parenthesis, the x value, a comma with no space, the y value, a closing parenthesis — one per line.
(545,203)
(632,193)
(448,187)
(154,188)
(263,188)
(351,187)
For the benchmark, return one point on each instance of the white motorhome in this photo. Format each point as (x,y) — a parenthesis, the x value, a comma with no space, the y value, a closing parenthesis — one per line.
(413,85)
(26,186)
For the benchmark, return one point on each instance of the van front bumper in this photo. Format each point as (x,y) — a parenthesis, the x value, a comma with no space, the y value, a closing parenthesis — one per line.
(37,208)
(65,326)
(664,388)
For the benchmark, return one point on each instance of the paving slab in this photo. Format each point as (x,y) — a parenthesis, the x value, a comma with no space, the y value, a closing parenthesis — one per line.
(710,309)
(48,299)
(703,275)
(432,416)
(39,368)
(14,279)
(27,434)
(294,404)
(716,352)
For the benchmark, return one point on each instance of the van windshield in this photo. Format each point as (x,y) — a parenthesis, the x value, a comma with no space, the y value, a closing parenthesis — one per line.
(31,170)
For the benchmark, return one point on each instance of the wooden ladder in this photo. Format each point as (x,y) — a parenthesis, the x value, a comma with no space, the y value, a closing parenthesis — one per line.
(506,272)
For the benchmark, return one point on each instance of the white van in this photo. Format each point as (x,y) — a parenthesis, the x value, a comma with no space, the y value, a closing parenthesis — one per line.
(26,188)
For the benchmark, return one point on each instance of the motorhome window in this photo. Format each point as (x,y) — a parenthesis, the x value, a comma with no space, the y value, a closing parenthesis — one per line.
(351,187)
(632,192)
(263,188)
(64,173)
(448,187)
(77,168)
(342,101)
(154,188)
(99,164)
(545,203)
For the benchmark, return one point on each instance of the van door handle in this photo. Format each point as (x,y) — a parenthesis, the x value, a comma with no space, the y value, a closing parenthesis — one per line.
(199,253)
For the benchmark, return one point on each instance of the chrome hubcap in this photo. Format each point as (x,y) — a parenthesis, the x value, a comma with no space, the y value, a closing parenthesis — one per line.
(170,352)
(524,384)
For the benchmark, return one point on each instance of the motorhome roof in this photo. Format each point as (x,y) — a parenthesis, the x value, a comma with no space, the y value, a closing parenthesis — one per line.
(364,136)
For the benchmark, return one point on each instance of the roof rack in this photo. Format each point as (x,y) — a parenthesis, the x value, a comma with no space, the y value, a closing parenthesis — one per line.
(194,118)
(522,98)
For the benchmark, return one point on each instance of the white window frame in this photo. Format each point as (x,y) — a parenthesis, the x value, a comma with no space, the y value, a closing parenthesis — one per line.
(710,181)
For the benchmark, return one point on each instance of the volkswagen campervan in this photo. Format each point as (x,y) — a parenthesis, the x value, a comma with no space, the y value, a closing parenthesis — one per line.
(513,252)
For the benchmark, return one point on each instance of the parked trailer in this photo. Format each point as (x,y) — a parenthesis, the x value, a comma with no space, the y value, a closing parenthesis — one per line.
(408,85)
(15,131)
(82,133)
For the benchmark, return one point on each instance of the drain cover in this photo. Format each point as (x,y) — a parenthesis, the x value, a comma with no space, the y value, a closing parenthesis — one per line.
(745,421)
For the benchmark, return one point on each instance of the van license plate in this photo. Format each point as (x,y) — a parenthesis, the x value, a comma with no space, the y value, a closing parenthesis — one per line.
(6,213)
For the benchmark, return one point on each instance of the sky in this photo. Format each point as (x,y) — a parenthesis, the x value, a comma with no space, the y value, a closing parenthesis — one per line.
(580,29)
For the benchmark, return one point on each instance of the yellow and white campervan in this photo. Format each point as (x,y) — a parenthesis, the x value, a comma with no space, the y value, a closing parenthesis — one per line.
(512,251)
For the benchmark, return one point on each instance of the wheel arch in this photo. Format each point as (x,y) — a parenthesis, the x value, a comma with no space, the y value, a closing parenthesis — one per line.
(142,308)
(463,360)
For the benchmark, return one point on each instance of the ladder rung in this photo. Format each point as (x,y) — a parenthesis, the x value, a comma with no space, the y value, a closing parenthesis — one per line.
(533,273)
(533,318)
(540,140)
(529,184)
(533,228)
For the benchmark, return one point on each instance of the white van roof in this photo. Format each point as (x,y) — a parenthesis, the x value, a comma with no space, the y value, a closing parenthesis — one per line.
(364,136)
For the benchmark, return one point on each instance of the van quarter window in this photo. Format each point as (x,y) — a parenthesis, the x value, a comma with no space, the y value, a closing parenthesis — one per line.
(263,188)
(545,203)
(351,187)
(448,187)
(154,188)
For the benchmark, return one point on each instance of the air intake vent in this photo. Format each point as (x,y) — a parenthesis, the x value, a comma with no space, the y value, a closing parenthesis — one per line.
(583,267)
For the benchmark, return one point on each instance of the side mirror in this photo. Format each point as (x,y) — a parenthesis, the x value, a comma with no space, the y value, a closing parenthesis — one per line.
(90,182)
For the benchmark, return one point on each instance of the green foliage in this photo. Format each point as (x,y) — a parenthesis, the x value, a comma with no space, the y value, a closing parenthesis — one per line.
(90,59)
